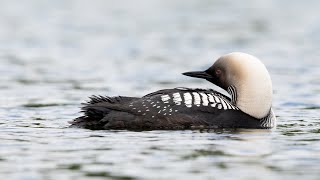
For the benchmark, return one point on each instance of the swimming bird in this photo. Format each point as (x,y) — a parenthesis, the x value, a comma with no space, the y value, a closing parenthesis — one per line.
(243,76)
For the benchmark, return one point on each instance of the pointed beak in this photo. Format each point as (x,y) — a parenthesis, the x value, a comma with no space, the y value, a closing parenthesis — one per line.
(204,75)
(198,74)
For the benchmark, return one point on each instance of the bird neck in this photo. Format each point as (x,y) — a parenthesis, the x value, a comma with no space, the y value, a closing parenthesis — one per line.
(254,98)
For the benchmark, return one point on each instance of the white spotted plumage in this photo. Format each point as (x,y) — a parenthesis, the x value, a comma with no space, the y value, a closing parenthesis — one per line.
(165,98)
(177,98)
(197,98)
(205,101)
(187,99)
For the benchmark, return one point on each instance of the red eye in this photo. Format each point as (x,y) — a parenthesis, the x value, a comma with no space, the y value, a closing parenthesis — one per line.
(218,72)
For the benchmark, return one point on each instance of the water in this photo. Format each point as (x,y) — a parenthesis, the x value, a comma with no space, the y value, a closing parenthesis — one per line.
(54,54)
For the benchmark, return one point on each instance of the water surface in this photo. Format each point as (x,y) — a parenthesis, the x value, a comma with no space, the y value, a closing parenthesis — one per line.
(54,54)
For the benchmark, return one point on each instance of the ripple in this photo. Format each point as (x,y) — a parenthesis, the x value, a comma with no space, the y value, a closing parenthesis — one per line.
(40,105)
(108,175)
(203,153)
(53,57)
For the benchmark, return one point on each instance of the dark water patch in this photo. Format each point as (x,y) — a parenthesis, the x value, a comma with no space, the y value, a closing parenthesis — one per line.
(96,135)
(69,150)
(20,140)
(165,82)
(103,163)
(274,168)
(102,149)
(108,175)
(195,171)
(315,131)
(158,148)
(73,167)
(155,148)
(27,81)
(203,153)
(77,86)
(311,107)
(221,165)
(153,140)
(293,132)
(310,139)
(146,153)
(40,105)
(38,119)
(290,125)
(215,131)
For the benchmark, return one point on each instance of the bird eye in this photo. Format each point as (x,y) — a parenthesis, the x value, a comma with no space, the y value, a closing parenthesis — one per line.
(218,72)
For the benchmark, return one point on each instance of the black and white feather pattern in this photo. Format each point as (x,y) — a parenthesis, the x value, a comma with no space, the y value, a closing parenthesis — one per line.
(233,92)
(180,107)
(198,98)
(268,121)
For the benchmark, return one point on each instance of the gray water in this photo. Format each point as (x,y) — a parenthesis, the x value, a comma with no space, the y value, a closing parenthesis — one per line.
(54,54)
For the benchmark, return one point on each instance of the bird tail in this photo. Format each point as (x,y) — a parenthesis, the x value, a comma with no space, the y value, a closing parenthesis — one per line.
(96,108)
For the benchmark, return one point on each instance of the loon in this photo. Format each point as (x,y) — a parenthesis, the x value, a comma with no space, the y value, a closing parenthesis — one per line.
(243,76)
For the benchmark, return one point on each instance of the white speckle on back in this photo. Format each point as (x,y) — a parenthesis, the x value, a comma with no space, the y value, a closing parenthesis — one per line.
(227,103)
(214,104)
(165,98)
(223,104)
(211,99)
(205,101)
(197,98)
(187,99)
(177,98)
(217,99)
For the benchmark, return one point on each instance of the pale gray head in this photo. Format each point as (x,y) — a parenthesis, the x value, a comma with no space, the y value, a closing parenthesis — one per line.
(247,76)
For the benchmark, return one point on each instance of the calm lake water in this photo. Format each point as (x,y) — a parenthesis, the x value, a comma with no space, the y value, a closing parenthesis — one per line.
(54,54)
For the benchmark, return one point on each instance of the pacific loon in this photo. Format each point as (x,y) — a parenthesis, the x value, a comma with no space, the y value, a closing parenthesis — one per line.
(242,75)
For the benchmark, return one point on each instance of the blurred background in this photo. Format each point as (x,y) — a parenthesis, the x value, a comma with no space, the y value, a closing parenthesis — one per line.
(54,54)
